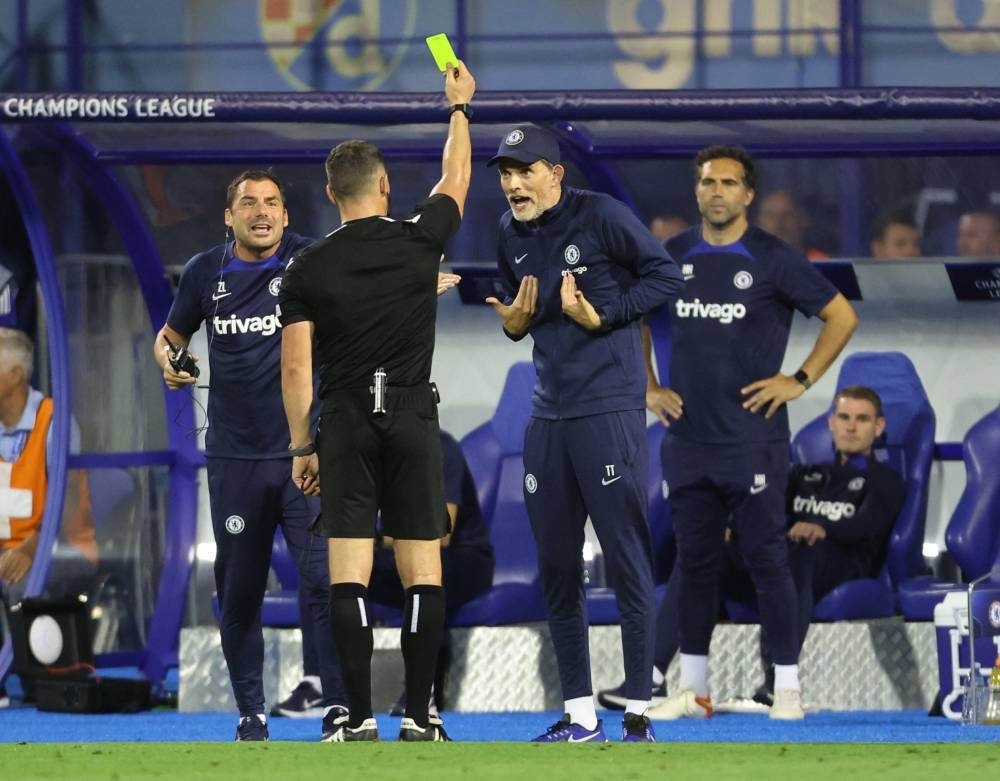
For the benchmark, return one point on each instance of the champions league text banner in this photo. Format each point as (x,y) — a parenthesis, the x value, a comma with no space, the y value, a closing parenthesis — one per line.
(396,108)
(105,107)
(219,107)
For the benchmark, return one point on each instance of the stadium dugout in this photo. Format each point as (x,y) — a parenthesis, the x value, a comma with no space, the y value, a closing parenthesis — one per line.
(73,161)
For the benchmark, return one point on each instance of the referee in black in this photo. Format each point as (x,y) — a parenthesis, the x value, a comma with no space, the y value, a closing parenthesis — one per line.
(367,296)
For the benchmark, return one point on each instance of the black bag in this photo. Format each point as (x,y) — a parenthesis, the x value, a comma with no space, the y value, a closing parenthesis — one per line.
(55,660)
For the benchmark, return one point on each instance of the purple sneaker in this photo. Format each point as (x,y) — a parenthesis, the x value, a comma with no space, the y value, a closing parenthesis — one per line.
(637,729)
(565,731)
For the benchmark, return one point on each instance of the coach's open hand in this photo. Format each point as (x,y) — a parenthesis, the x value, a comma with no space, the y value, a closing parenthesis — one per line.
(516,318)
(576,307)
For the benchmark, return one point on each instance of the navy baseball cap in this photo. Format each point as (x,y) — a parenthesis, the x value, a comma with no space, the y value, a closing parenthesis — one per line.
(526,144)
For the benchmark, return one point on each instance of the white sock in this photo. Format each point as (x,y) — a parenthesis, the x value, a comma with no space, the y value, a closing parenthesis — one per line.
(786,676)
(694,674)
(638,707)
(314,680)
(581,711)
(658,677)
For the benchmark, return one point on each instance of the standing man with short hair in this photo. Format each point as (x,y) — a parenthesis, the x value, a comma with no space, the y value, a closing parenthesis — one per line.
(726,454)
(366,297)
(579,270)
(233,287)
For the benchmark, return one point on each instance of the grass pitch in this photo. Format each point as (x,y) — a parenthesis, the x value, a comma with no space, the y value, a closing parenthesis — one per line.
(285,761)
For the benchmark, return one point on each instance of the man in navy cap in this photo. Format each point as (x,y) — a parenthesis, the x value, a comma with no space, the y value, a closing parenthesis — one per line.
(578,272)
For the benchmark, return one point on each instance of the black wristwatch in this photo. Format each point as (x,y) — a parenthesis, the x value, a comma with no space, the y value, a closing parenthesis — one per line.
(605,325)
(465,108)
(305,450)
(802,377)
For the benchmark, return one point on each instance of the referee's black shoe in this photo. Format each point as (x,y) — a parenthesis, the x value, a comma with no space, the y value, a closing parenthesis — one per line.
(335,729)
(410,731)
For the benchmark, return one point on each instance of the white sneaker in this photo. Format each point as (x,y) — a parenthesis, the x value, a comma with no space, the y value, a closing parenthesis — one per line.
(681,705)
(787,705)
(742,705)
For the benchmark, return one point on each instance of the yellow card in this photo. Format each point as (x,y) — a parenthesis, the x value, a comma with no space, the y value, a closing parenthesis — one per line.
(441,50)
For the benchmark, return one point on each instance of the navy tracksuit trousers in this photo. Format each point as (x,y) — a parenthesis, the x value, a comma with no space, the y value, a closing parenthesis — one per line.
(711,487)
(248,500)
(596,466)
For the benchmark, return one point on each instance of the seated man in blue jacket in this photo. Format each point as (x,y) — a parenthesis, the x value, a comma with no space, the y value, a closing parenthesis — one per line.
(840,513)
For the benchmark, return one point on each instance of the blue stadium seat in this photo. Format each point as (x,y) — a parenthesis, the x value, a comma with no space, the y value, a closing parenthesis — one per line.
(908,447)
(601,605)
(494,454)
(973,534)
(109,488)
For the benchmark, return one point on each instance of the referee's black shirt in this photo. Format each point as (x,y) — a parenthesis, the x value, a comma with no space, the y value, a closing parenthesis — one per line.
(370,288)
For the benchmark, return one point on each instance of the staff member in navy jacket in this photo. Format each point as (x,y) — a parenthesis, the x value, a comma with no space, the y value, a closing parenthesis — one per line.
(579,270)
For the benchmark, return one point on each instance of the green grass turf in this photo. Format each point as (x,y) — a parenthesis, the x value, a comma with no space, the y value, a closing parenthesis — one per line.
(484,761)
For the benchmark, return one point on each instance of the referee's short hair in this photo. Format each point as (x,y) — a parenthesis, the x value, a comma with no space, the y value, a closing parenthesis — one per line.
(351,168)
(724,152)
(253,175)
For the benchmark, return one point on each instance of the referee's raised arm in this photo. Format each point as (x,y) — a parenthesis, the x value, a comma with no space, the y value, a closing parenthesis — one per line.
(456,160)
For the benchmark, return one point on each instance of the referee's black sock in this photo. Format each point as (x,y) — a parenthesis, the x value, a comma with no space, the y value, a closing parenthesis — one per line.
(352,634)
(420,638)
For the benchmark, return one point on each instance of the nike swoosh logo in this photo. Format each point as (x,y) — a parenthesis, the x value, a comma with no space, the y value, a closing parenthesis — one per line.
(688,277)
(217,296)
(754,490)
(605,481)
(586,739)
(518,259)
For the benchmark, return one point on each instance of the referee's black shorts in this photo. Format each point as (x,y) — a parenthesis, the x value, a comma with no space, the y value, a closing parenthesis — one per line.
(390,463)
